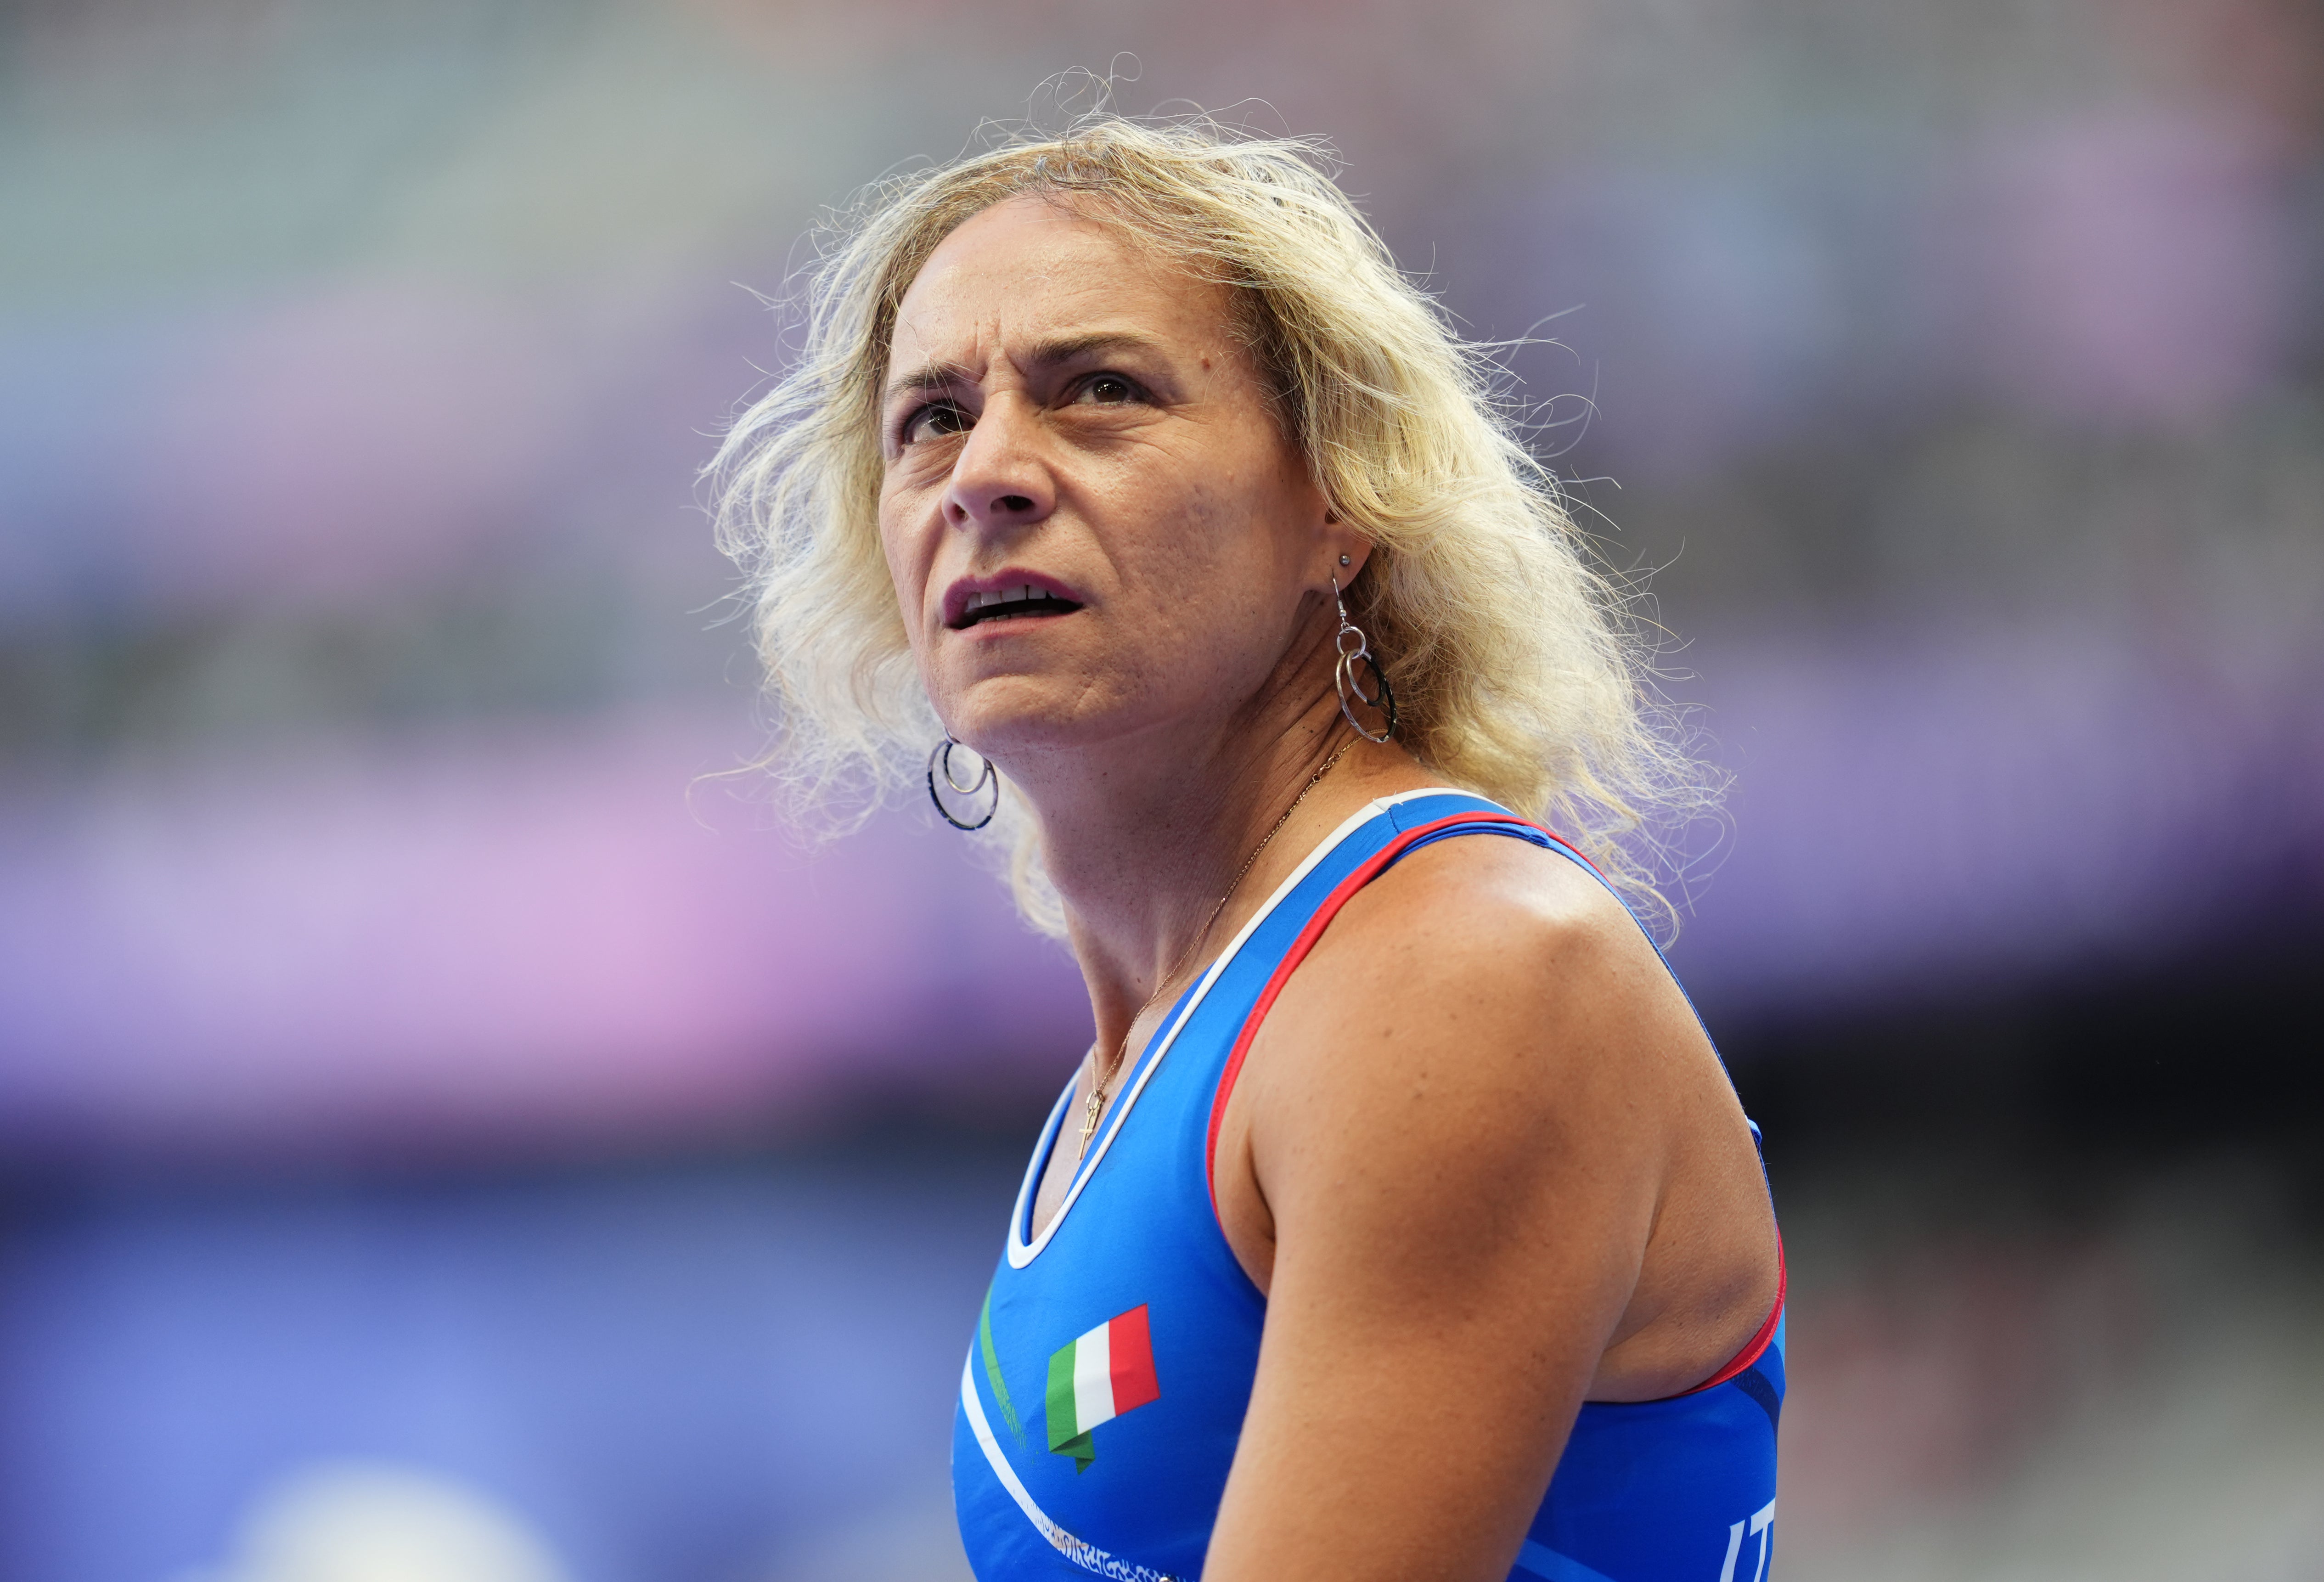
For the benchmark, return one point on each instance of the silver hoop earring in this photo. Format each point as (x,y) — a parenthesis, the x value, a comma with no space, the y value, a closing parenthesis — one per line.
(1344,674)
(940,765)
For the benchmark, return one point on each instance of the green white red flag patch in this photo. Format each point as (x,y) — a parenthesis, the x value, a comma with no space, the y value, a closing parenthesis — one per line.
(1096,1378)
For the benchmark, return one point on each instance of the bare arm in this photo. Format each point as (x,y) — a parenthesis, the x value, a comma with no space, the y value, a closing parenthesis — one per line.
(1448,1163)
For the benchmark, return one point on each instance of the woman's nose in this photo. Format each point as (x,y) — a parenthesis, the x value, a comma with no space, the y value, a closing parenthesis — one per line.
(1001,478)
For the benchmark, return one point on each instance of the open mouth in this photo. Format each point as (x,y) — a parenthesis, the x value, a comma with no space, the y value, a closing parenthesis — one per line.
(1012,604)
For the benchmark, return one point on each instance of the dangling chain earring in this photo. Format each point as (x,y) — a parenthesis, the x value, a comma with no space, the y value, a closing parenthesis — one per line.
(1344,674)
(940,763)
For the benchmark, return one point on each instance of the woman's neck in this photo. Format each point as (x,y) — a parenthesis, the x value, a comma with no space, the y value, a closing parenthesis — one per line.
(1144,838)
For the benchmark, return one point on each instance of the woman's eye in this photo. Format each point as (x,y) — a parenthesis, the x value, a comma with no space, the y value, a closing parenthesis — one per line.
(938,417)
(1109,390)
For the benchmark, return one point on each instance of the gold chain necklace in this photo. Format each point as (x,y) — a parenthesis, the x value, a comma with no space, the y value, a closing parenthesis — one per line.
(1094,1105)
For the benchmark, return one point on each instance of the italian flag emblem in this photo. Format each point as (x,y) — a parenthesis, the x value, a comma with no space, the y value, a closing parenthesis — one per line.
(1095,1379)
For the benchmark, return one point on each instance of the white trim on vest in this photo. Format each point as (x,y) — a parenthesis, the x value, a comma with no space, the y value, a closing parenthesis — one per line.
(1019,1252)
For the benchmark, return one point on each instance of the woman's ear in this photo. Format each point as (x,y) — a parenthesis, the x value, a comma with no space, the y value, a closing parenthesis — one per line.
(1345,550)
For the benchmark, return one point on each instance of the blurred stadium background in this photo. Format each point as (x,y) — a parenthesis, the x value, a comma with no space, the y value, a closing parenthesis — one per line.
(444,1136)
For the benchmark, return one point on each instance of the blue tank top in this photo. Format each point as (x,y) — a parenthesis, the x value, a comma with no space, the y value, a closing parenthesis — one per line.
(1112,1363)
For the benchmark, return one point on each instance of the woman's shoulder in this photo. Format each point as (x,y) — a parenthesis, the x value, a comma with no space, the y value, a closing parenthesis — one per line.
(1508,973)
(1487,910)
(1481,1038)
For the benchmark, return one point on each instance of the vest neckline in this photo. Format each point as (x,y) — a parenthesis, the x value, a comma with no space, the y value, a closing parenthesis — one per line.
(1022,1252)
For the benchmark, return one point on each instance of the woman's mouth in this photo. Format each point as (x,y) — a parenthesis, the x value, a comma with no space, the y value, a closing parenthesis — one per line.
(1012,604)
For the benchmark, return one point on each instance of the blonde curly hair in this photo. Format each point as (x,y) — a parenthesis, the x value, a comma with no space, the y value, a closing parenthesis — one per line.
(1517,670)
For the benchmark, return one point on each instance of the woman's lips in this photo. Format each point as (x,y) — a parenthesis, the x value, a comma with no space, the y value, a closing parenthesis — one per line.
(1009,596)
(1016,604)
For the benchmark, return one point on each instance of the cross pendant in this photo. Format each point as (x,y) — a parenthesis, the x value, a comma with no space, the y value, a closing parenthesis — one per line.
(1092,1107)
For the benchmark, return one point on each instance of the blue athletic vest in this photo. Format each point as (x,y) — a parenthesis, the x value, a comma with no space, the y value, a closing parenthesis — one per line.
(1112,1363)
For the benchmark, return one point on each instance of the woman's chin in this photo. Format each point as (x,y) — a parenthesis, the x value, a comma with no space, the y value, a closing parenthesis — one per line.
(1024,718)
(1017,736)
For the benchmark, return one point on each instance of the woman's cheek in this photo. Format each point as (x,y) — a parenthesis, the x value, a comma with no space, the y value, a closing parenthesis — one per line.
(907,568)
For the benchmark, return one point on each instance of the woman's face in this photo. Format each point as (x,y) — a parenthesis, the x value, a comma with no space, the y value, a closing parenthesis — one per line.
(1068,418)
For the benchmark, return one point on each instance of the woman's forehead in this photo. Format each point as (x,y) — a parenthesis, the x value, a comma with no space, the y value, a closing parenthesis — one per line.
(1029,269)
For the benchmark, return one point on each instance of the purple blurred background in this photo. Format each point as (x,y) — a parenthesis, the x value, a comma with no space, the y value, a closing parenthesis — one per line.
(439,1108)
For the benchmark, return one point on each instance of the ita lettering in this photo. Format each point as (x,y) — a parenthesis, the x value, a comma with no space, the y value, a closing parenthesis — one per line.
(1761,1526)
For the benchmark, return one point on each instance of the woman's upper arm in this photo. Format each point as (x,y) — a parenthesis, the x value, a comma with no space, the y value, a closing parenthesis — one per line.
(1451,1122)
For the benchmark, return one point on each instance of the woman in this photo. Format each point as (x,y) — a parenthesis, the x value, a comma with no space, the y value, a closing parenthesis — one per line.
(1448,1254)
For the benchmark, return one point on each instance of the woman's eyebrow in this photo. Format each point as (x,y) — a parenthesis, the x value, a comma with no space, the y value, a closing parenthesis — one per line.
(1071,348)
(933,376)
(1048,353)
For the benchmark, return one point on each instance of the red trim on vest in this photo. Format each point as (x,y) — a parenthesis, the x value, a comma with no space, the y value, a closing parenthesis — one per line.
(1756,1346)
(1341,895)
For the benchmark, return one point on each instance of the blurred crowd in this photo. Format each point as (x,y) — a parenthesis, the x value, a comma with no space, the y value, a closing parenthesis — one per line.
(444,1105)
